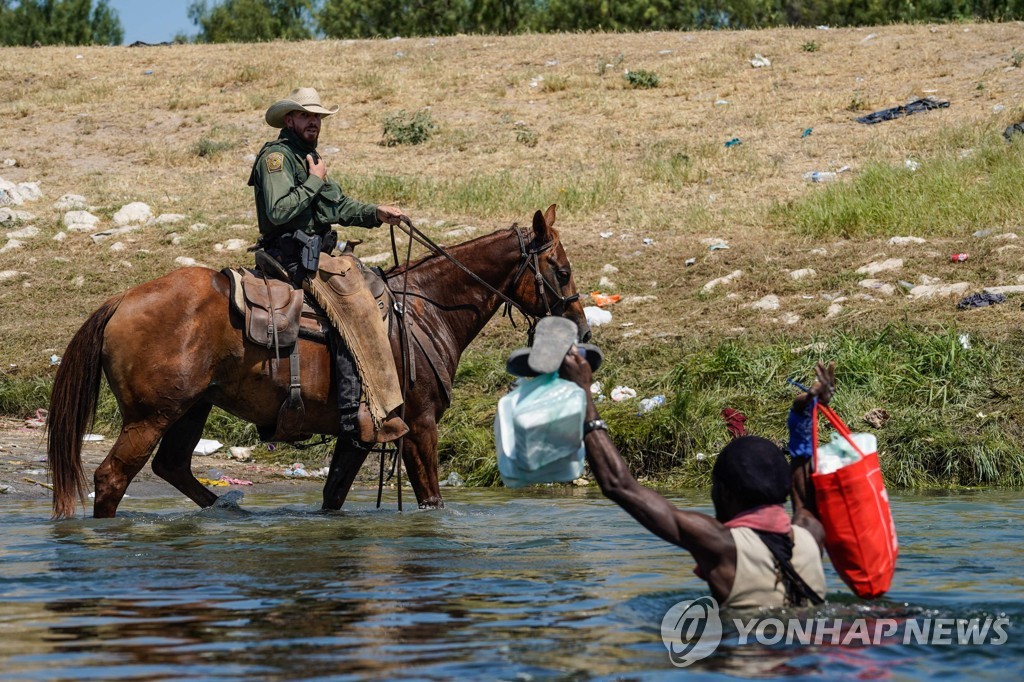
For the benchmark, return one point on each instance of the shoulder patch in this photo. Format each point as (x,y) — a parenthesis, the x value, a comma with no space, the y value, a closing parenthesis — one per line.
(275,162)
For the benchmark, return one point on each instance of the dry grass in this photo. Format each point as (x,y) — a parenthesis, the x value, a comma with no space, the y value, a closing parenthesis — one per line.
(642,163)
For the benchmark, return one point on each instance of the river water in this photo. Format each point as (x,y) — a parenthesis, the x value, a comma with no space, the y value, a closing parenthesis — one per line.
(500,585)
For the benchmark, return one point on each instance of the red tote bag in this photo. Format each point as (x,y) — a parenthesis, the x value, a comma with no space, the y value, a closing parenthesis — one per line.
(854,509)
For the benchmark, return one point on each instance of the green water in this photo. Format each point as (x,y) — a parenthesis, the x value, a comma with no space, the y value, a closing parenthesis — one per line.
(499,585)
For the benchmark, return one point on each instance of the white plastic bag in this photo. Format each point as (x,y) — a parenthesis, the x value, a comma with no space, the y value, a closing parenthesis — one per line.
(538,432)
(838,453)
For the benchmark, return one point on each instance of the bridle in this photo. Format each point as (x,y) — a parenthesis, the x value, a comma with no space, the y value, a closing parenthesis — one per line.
(529,258)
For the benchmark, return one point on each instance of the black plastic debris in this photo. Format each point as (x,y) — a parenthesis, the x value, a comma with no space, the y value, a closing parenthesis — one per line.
(1015,129)
(980,301)
(915,107)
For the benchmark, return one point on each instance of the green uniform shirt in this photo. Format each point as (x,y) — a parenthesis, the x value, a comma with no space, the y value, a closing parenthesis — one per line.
(289,198)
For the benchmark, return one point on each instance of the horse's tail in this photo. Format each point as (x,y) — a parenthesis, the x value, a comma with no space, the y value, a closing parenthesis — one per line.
(76,390)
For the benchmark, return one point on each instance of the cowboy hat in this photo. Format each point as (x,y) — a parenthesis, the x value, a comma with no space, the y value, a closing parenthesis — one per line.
(553,339)
(299,99)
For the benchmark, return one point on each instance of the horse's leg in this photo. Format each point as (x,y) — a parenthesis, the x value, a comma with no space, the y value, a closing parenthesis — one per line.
(173,461)
(123,462)
(348,457)
(420,457)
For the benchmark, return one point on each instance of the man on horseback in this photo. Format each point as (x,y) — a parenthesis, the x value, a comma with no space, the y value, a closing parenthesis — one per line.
(296,205)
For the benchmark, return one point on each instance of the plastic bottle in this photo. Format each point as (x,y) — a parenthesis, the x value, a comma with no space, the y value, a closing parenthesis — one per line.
(820,176)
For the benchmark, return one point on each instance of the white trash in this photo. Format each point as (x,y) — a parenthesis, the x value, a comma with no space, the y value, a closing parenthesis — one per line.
(597,316)
(207,446)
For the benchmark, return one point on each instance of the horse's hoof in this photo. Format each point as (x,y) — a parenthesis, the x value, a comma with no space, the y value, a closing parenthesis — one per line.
(432,503)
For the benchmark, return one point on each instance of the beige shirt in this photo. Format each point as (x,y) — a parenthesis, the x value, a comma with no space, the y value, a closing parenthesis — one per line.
(758,583)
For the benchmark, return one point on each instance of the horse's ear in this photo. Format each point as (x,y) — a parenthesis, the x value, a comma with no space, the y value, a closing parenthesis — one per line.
(543,222)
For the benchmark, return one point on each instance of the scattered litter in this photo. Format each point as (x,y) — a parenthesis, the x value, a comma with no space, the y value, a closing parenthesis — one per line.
(606,235)
(235,481)
(816,347)
(904,241)
(93,438)
(980,301)
(297,470)
(807,133)
(820,176)
(721,102)
(718,247)
(1015,129)
(648,404)
(911,165)
(211,482)
(982,233)
(998,108)
(620,393)
(700,457)
(147,72)
(609,268)
(876,417)
(690,261)
(648,241)
(958,258)
(735,422)
(207,446)
(760,60)
(454,480)
(54,360)
(733,142)
(602,300)
(868,37)
(905,285)
(596,317)
(240,453)
(595,388)
(39,421)
(965,341)
(914,107)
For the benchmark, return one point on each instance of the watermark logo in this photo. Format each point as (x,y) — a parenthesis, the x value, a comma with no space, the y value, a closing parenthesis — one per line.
(691,630)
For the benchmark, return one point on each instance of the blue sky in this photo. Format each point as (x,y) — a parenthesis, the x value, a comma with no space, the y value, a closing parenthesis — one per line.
(153,21)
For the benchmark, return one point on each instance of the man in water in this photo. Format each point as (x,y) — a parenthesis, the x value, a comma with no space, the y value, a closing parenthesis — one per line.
(751,553)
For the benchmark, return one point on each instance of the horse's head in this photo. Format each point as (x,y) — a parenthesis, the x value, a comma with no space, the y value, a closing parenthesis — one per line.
(544,284)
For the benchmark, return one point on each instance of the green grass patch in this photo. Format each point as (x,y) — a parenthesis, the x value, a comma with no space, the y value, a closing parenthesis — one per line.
(954,192)
(403,127)
(642,79)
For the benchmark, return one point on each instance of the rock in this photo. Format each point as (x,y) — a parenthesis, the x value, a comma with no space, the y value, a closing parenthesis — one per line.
(185,261)
(609,269)
(833,310)
(904,241)
(80,281)
(376,258)
(628,301)
(7,275)
(606,283)
(789,318)
(80,221)
(727,279)
(883,288)
(70,202)
(1006,236)
(460,232)
(29,191)
(926,280)
(1006,290)
(876,417)
(235,244)
(197,227)
(769,302)
(135,212)
(803,273)
(106,234)
(11,245)
(711,241)
(876,267)
(1001,249)
(60,236)
(932,290)
(24,233)
(8,217)
(168,218)
(117,246)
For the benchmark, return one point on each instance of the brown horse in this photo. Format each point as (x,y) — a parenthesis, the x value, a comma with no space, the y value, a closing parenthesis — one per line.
(171,351)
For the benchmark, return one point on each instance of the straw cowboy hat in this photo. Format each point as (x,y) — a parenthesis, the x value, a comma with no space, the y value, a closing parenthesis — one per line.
(299,99)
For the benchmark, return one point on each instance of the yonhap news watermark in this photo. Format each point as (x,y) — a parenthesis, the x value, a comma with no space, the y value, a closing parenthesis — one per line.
(693,630)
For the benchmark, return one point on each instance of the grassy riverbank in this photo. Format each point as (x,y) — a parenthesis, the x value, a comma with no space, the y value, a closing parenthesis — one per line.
(644,182)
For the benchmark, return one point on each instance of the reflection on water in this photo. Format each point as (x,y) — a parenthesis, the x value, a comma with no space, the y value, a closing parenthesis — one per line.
(499,585)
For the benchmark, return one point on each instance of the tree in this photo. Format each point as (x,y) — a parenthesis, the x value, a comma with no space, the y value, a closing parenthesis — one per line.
(59,22)
(240,21)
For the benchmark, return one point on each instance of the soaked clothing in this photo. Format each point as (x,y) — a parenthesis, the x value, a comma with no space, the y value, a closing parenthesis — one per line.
(758,580)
